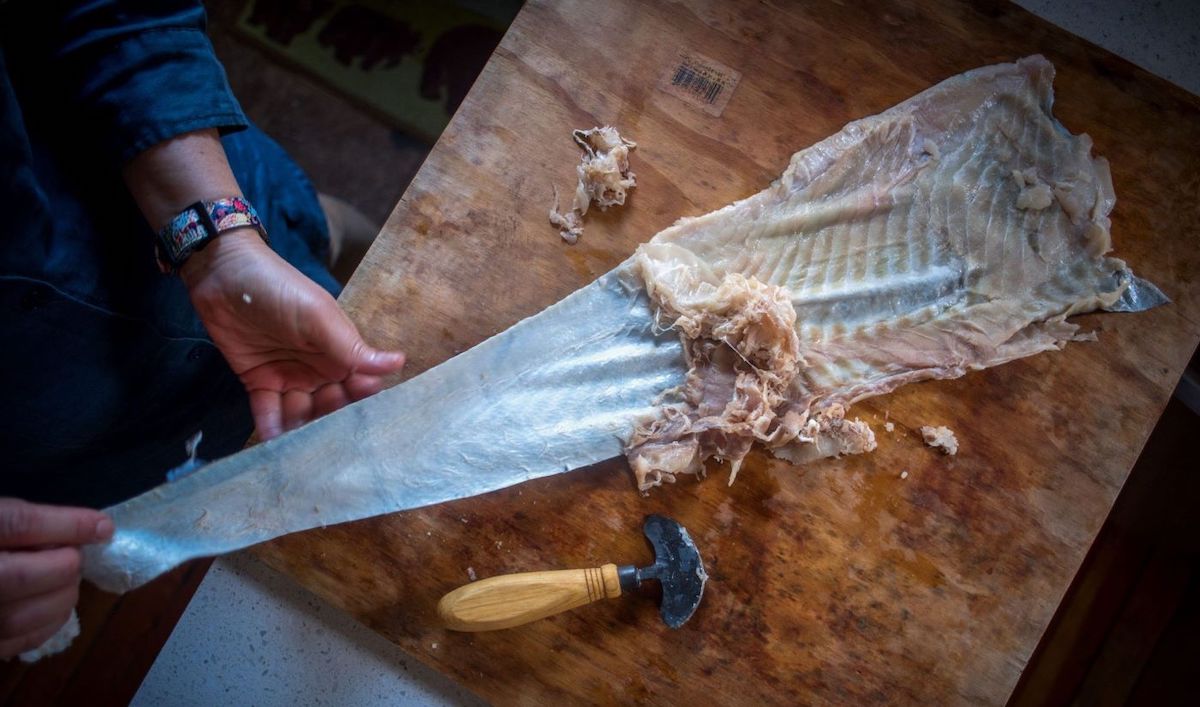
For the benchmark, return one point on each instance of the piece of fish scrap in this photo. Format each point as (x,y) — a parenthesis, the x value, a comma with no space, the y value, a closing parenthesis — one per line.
(604,178)
(940,437)
(953,232)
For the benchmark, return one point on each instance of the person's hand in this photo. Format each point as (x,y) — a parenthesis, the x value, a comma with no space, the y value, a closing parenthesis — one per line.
(294,349)
(39,568)
(296,352)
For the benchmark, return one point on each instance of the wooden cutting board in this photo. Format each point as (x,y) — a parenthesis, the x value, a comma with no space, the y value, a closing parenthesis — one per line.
(847,581)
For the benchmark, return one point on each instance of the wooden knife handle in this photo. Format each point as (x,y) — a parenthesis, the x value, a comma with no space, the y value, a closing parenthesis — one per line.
(514,599)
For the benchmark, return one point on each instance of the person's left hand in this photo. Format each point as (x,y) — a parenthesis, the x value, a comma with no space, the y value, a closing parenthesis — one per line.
(40,564)
(294,349)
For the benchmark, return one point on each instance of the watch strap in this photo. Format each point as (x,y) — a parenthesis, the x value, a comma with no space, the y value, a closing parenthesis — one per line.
(199,224)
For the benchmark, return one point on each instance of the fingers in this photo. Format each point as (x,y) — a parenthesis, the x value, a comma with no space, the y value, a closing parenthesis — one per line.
(266,406)
(25,524)
(297,408)
(27,574)
(38,588)
(285,375)
(37,615)
(275,413)
(374,362)
(329,398)
(336,336)
(336,396)
(359,386)
(16,646)
(334,367)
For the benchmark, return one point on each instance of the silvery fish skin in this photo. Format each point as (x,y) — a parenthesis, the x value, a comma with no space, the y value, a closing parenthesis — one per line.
(953,232)
(555,392)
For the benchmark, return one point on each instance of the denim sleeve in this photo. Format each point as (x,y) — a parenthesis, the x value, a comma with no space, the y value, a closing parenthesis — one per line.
(137,72)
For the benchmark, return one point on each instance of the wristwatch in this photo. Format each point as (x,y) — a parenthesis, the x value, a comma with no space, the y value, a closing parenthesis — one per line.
(197,225)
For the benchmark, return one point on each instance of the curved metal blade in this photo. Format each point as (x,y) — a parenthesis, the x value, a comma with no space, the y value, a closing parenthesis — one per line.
(677,565)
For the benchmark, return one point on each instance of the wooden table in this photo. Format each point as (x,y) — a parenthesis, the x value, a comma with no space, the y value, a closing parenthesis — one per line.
(843,582)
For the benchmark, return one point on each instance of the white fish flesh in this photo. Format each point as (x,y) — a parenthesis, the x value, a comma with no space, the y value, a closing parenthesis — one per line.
(940,438)
(604,178)
(953,232)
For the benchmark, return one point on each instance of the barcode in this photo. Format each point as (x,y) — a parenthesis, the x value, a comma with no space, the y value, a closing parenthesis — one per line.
(687,77)
(702,82)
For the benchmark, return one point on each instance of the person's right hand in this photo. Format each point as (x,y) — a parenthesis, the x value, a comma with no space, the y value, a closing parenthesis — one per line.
(40,568)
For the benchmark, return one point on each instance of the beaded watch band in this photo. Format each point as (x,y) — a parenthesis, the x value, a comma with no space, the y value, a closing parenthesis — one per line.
(199,224)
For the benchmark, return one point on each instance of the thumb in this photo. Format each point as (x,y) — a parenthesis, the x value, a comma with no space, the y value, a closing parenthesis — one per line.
(374,362)
(25,524)
(346,346)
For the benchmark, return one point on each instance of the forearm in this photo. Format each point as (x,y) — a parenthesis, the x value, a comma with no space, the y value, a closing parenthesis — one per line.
(175,174)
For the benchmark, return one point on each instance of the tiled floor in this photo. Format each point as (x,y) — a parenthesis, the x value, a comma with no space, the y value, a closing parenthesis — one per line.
(1162,36)
(331,659)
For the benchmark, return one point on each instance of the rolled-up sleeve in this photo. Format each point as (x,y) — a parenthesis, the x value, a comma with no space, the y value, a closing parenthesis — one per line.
(136,72)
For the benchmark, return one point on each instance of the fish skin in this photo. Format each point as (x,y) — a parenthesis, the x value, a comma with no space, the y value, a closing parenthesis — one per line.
(911,245)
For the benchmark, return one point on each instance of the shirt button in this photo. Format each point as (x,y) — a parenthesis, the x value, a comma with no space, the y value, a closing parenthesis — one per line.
(196,352)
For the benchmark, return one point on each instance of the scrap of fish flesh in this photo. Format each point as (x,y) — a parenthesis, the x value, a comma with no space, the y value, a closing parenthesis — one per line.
(604,178)
(953,232)
(57,643)
(940,438)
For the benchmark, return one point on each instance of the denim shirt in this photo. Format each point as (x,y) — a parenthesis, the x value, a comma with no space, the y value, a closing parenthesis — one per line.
(84,88)
(105,370)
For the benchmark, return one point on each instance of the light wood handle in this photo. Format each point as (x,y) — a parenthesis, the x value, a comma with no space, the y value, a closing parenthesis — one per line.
(514,599)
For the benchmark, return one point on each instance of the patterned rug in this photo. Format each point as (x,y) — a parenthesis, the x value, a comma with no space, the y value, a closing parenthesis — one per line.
(409,63)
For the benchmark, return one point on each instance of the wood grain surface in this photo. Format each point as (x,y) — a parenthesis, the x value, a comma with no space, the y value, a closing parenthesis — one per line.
(841,582)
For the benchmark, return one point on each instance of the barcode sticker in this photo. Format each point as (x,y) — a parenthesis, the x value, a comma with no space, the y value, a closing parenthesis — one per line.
(701,82)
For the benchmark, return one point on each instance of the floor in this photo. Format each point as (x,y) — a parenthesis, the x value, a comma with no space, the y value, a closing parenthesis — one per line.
(1161,36)
(1128,631)
(91,672)
(345,151)
(268,655)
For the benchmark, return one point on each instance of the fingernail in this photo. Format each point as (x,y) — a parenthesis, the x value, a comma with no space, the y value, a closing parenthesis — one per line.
(387,358)
(104,528)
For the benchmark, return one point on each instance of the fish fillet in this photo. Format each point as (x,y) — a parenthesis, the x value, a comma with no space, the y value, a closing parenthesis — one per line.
(953,232)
